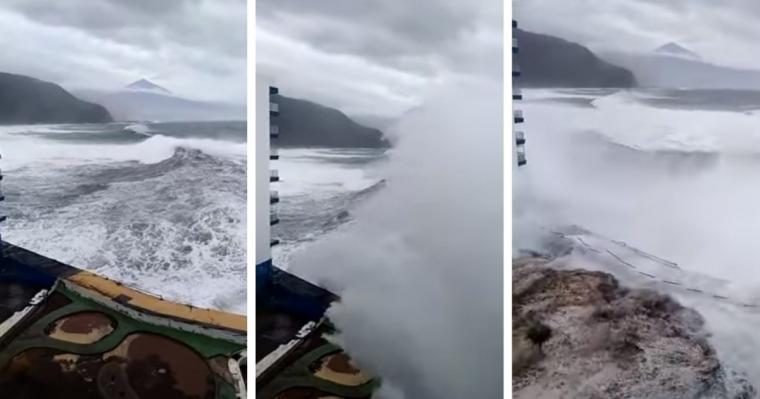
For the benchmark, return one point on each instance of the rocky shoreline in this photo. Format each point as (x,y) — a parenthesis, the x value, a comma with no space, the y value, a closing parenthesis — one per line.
(579,334)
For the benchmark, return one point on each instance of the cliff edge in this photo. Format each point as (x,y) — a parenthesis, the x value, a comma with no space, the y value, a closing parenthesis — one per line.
(578,333)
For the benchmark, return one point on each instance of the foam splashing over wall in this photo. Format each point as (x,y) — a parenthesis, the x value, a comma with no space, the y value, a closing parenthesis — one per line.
(420,272)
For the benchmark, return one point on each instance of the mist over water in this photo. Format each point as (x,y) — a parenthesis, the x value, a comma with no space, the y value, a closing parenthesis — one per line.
(420,268)
(675,182)
(671,179)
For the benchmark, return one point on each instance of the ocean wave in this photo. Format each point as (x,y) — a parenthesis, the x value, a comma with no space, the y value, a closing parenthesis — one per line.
(182,157)
(162,227)
(162,212)
(625,117)
(139,128)
(18,153)
(629,118)
(322,173)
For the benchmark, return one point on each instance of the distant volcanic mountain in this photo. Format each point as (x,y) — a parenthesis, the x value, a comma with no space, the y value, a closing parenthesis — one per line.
(147,85)
(674,66)
(144,100)
(28,100)
(676,50)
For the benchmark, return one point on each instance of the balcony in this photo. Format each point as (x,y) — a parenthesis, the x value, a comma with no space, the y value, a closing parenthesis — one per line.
(274,175)
(274,197)
(518,115)
(515,49)
(516,94)
(516,69)
(274,131)
(274,109)
(274,154)
(519,138)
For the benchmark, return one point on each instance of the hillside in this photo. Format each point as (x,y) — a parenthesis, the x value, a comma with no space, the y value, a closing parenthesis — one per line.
(26,100)
(548,61)
(306,124)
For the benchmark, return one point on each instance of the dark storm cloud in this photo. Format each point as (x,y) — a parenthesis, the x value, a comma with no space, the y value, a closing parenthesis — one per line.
(375,28)
(196,46)
(403,46)
(721,32)
(193,23)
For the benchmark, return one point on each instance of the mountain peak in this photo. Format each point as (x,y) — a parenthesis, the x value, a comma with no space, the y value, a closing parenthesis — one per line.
(674,49)
(147,85)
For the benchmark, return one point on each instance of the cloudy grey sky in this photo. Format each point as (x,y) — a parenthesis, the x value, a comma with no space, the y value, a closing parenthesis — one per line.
(195,48)
(376,56)
(722,32)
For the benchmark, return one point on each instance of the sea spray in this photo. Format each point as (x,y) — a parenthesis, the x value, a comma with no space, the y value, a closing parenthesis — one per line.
(420,270)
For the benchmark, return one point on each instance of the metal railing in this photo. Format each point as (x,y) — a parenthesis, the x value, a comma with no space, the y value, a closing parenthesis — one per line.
(519,138)
(273,218)
(516,93)
(521,160)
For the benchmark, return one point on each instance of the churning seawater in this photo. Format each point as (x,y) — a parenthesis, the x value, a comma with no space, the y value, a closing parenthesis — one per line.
(318,188)
(157,206)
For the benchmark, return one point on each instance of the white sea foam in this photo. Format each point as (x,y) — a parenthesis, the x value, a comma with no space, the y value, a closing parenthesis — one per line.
(119,210)
(309,171)
(624,118)
(20,129)
(20,150)
(680,210)
(139,128)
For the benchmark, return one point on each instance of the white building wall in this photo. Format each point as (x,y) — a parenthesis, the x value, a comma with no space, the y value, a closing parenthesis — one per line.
(263,233)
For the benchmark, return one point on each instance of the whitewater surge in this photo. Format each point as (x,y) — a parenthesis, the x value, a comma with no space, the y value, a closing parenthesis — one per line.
(52,145)
(420,269)
(164,212)
(314,171)
(671,181)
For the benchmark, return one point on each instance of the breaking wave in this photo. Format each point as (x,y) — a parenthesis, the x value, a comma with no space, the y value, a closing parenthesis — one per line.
(139,129)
